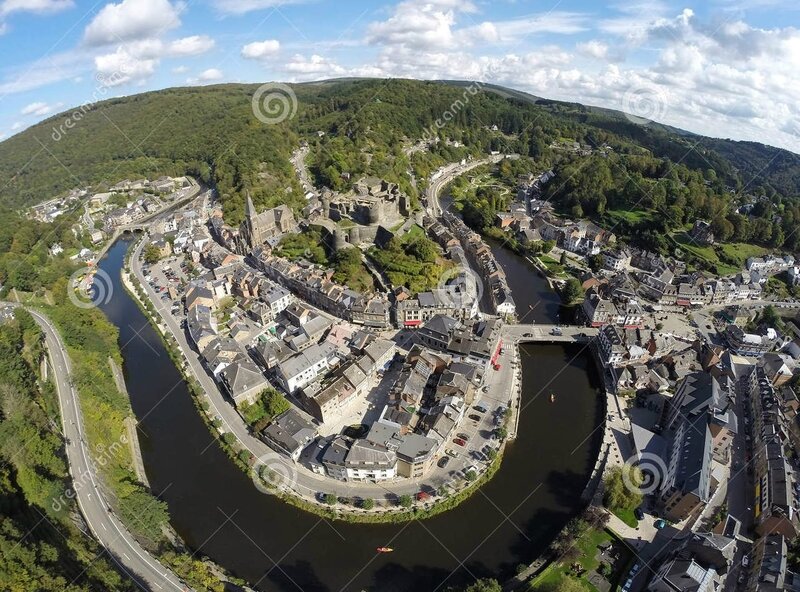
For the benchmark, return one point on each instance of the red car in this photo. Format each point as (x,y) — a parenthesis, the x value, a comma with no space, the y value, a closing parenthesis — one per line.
(460,442)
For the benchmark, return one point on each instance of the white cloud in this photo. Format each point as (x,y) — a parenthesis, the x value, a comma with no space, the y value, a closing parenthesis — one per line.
(136,61)
(311,68)
(237,7)
(37,108)
(35,6)
(131,20)
(210,74)
(17,125)
(593,49)
(180,70)
(132,63)
(261,49)
(188,46)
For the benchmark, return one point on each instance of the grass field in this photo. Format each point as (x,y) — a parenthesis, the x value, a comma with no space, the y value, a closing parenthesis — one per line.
(556,573)
(706,253)
(627,517)
(613,217)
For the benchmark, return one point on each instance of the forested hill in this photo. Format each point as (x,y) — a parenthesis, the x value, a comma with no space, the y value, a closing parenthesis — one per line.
(211,132)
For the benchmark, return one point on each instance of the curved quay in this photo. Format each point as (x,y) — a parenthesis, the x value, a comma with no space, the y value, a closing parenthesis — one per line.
(305,484)
(130,556)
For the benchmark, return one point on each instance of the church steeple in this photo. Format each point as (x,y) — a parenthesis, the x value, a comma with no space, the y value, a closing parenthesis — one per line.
(250,209)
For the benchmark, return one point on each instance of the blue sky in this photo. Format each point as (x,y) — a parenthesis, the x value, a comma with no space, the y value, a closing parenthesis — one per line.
(728,68)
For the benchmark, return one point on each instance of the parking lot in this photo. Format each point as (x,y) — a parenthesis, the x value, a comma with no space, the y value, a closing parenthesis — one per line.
(171,272)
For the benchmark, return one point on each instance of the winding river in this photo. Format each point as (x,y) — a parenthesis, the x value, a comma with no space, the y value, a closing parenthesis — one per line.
(218,511)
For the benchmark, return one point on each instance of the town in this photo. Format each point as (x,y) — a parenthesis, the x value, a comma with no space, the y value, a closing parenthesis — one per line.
(377,384)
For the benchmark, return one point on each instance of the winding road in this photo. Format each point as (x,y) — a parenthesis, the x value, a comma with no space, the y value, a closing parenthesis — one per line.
(129,555)
(450,172)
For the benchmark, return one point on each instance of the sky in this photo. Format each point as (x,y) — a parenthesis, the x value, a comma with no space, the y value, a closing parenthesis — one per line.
(724,68)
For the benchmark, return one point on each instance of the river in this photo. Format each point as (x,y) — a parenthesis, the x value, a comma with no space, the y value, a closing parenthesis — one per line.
(218,511)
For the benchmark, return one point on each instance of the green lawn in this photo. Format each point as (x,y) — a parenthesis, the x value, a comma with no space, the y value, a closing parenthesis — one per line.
(741,252)
(707,253)
(552,265)
(556,573)
(614,217)
(627,517)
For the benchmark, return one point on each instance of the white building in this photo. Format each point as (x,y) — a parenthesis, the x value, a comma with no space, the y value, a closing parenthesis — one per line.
(616,260)
(307,366)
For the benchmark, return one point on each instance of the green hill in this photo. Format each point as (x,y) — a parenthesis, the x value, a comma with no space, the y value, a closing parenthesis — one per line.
(211,132)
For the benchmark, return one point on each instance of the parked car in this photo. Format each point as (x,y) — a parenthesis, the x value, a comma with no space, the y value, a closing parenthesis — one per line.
(660,523)
(639,514)
(475,417)
(460,442)
(443,462)
(463,436)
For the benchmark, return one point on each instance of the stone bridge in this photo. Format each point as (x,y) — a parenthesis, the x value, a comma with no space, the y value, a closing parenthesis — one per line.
(530,333)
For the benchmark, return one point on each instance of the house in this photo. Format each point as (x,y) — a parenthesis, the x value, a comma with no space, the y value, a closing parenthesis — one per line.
(202,325)
(306,366)
(243,381)
(687,484)
(597,310)
(290,432)
(749,344)
(616,259)
(769,566)
(701,233)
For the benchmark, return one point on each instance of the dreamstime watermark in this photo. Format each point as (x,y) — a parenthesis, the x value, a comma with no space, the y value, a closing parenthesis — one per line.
(430,132)
(105,81)
(650,474)
(272,473)
(90,287)
(462,288)
(274,102)
(643,104)
(102,458)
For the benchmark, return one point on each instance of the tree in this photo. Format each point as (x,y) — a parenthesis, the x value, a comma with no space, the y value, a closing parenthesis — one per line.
(621,492)
(484,585)
(152,254)
(367,503)
(595,261)
(330,499)
(572,290)
(563,259)
(405,500)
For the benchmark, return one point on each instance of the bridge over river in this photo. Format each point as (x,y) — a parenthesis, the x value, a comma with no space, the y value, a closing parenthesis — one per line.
(530,333)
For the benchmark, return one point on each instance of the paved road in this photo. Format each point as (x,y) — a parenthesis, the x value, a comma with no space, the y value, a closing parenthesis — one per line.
(525,333)
(137,563)
(450,172)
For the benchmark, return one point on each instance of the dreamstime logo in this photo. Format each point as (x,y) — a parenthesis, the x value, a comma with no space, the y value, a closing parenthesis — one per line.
(461,287)
(450,113)
(103,455)
(643,104)
(90,287)
(274,102)
(105,81)
(651,470)
(272,473)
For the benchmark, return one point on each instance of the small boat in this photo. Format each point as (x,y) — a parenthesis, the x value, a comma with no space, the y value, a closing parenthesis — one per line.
(384,549)
(552,397)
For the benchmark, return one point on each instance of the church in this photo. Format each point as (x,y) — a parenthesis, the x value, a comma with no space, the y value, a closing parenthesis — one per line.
(256,229)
